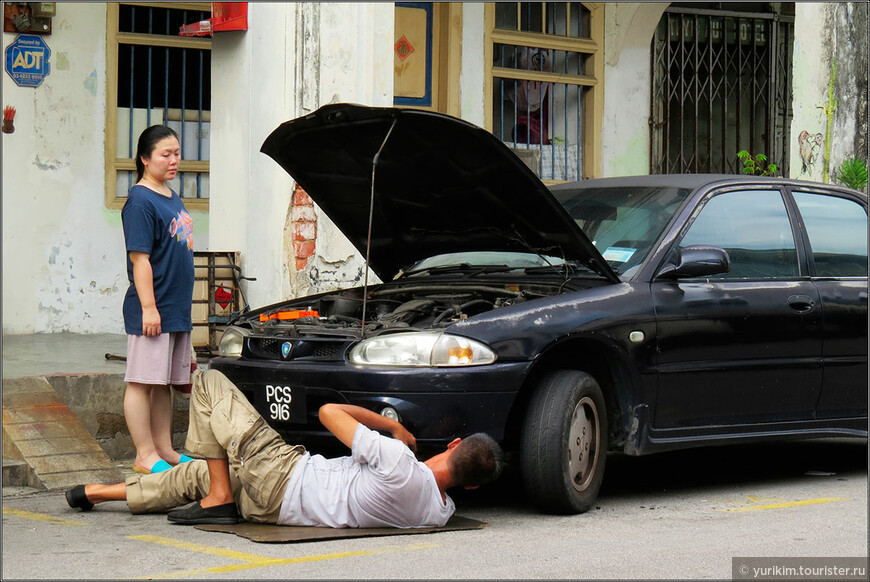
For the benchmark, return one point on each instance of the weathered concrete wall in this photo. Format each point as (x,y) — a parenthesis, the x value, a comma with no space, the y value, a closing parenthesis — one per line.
(97,400)
(294,58)
(827,33)
(628,32)
(63,250)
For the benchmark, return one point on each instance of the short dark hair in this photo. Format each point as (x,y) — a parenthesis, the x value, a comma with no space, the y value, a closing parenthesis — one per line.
(147,141)
(477,460)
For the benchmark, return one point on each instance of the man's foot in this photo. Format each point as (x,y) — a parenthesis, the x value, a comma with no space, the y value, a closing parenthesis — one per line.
(196,514)
(77,499)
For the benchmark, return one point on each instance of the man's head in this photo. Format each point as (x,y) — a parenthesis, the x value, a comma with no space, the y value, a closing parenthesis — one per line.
(475,460)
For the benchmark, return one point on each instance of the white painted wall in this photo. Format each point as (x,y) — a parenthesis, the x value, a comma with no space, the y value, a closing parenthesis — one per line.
(63,251)
(628,31)
(294,58)
(472,77)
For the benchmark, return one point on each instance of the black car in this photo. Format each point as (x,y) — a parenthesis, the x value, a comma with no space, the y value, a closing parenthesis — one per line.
(630,315)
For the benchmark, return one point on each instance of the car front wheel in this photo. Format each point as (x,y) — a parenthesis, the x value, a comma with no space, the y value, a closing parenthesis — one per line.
(564,442)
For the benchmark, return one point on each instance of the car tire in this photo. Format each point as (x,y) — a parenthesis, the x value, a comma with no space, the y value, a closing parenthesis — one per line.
(564,443)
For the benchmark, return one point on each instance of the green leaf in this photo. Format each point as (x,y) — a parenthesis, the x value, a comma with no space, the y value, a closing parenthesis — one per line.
(853,173)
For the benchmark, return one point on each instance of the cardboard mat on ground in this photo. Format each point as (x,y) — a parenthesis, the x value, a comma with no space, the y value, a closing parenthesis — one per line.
(287,534)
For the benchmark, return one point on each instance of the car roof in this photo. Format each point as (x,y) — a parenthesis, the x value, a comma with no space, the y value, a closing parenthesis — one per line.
(697,181)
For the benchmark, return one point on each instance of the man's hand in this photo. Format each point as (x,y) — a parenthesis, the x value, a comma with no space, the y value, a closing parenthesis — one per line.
(342,419)
(402,434)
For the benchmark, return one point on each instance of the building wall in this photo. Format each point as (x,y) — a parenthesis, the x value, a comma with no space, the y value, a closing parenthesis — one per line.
(294,58)
(472,77)
(63,257)
(63,251)
(828,33)
(628,32)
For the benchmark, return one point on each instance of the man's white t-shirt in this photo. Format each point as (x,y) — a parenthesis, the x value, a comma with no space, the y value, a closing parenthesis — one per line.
(381,484)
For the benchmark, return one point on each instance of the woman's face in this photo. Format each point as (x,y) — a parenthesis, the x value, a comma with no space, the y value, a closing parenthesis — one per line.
(163,163)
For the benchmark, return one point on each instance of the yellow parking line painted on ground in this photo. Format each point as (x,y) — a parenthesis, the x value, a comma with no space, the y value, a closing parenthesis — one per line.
(789,504)
(231,554)
(41,517)
(251,561)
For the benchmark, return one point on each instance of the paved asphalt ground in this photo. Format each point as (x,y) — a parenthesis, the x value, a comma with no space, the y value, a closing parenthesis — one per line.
(684,515)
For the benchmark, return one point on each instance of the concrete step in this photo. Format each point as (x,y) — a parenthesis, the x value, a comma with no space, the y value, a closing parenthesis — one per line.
(41,431)
(18,474)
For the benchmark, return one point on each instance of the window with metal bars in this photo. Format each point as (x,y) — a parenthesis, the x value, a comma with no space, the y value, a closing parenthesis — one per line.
(540,75)
(721,84)
(154,77)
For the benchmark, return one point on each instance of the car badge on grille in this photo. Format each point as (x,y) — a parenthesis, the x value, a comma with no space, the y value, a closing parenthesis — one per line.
(285,348)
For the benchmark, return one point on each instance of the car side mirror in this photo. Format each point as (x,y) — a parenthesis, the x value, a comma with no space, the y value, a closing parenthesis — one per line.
(696,261)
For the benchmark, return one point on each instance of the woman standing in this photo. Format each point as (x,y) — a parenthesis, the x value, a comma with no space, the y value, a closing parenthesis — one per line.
(159,238)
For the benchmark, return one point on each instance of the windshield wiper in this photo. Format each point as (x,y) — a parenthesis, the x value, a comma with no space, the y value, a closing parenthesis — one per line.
(567,267)
(466,268)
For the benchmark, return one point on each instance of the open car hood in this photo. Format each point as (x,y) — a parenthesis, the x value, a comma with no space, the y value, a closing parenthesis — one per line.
(442,185)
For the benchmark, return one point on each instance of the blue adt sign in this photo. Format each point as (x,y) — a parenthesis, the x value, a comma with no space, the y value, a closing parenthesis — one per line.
(27,60)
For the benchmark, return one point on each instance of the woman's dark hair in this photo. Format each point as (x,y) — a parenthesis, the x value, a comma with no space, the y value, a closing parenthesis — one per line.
(147,141)
(477,460)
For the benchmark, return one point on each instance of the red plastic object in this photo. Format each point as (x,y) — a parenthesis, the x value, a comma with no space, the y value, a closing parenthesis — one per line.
(225,16)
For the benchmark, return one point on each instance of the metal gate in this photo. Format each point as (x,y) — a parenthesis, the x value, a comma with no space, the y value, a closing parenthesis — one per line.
(721,84)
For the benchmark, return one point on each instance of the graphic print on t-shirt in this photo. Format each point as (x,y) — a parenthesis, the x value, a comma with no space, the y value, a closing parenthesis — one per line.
(182,227)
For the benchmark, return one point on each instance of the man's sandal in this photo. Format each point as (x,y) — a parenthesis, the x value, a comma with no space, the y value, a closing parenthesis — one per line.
(196,514)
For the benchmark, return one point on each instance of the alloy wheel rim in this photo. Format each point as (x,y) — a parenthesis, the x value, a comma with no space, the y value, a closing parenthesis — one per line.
(583,443)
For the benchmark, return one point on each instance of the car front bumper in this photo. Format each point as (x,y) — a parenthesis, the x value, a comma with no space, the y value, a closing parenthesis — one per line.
(435,404)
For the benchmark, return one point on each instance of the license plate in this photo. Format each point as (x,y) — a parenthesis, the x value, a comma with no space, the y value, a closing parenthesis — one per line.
(280,403)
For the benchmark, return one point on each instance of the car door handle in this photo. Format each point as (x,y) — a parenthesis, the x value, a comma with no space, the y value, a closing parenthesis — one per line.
(801,303)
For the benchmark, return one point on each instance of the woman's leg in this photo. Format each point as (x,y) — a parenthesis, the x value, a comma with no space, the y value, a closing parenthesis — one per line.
(137,412)
(161,424)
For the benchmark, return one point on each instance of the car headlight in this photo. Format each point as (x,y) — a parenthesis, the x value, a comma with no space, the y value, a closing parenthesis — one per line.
(232,341)
(421,350)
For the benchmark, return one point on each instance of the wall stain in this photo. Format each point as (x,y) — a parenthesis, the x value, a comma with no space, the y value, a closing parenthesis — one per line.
(62,62)
(50,165)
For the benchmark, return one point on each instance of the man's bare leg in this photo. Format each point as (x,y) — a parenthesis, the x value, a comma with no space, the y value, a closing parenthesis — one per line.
(220,490)
(97,493)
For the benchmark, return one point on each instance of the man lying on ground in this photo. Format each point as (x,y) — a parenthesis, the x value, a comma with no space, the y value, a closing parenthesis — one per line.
(249,472)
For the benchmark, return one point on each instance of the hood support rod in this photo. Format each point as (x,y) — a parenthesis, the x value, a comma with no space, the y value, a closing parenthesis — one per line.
(371,217)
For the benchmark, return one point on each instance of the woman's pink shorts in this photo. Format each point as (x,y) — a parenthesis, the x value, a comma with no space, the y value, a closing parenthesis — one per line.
(163,359)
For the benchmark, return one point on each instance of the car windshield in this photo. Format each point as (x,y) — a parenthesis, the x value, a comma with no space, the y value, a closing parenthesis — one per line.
(480,261)
(623,222)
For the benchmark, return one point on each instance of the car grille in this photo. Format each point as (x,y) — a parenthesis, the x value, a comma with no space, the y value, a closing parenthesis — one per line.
(308,349)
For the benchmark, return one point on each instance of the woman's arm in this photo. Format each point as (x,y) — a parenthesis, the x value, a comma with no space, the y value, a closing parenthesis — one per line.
(143,279)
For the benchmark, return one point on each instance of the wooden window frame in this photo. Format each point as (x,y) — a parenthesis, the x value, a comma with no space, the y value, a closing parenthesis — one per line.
(114,38)
(593,94)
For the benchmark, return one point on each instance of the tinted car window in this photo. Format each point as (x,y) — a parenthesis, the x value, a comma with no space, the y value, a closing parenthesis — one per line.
(838,234)
(754,228)
(622,222)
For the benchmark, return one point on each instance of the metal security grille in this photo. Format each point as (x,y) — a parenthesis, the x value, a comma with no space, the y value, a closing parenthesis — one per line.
(721,84)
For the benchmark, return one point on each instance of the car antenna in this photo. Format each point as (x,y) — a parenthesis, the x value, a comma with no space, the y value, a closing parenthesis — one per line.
(369,236)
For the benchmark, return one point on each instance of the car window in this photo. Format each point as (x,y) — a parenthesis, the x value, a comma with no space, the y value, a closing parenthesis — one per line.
(753,226)
(622,222)
(837,228)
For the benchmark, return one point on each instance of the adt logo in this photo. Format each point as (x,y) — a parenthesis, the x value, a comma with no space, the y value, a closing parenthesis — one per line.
(27,60)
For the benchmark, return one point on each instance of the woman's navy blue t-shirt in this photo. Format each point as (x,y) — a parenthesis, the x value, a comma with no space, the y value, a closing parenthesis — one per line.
(161,227)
